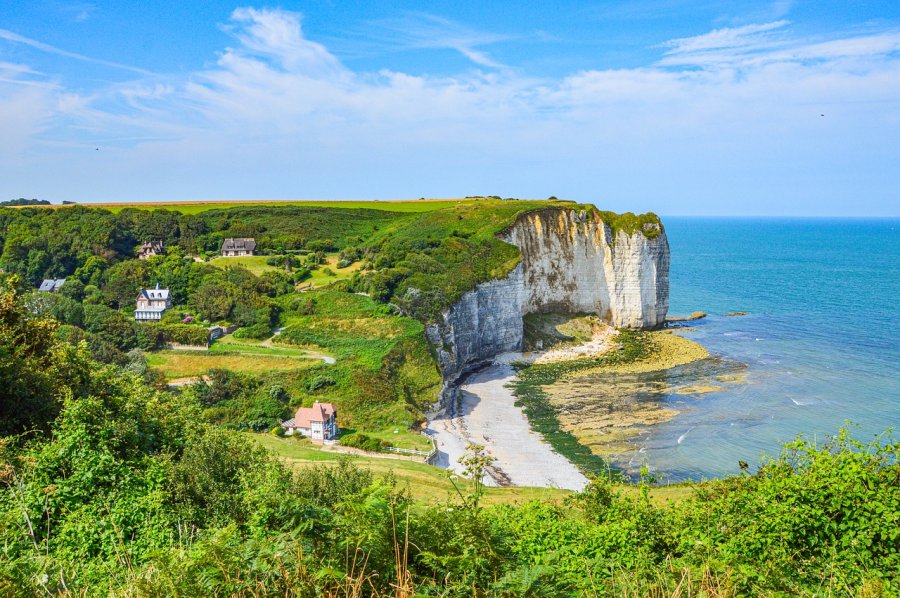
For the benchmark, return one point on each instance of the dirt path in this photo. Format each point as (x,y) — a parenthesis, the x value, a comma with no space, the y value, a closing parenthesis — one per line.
(307,354)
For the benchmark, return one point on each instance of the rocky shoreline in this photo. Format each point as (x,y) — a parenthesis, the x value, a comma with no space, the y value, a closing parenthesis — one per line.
(485,413)
(486,410)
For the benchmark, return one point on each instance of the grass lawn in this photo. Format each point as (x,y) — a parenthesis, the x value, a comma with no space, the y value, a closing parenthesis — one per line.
(318,277)
(183,364)
(255,263)
(429,483)
(426,482)
(229,344)
(407,439)
(195,207)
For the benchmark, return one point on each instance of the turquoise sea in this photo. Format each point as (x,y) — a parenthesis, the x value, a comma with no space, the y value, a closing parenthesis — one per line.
(820,347)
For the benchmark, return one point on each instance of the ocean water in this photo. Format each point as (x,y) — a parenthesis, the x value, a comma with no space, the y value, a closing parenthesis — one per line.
(820,348)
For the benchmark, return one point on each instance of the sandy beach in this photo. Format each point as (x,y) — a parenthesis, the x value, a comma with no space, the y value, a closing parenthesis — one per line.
(486,414)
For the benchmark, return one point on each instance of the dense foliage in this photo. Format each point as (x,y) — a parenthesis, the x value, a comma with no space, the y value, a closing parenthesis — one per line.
(133,496)
(21,201)
(420,261)
(111,486)
(384,374)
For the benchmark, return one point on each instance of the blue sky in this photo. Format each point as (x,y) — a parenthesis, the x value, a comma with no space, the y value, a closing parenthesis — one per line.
(708,108)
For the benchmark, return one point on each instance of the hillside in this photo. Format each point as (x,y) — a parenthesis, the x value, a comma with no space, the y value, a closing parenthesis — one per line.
(116,483)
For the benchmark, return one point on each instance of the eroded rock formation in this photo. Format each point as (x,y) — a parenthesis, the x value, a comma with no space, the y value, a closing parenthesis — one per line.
(572,263)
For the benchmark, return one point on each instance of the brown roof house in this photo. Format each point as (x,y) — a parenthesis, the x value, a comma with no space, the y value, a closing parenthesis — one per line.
(149,249)
(317,422)
(238,247)
(151,303)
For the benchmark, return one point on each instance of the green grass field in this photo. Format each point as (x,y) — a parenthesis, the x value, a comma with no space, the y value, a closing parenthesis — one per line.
(425,482)
(196,207)
(429,483)
(318,278)
(185,364)
(229,344)
(255,263)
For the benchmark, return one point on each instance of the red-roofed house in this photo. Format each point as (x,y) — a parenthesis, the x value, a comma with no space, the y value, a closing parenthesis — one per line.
(319,422)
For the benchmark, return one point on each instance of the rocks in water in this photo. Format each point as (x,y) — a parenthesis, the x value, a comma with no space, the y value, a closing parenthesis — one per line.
(734,314)
(697,315)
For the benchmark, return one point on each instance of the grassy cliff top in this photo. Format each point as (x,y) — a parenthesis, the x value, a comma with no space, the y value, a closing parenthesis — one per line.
(197,207)
(629,222)
(421,255)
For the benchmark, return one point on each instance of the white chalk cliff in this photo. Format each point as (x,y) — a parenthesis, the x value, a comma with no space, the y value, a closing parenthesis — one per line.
(572,263)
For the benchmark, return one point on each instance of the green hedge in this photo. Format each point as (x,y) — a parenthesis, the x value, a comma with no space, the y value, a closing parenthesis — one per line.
(257,331)
(364,442)
(182,334)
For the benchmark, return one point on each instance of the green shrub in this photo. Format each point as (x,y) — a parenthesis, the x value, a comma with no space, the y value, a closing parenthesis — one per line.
(182,334)
(319,382)
(363,442)
(256,331)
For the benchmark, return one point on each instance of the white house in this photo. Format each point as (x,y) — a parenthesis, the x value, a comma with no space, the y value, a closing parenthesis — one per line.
(238,247)
(318,422)
(151,303)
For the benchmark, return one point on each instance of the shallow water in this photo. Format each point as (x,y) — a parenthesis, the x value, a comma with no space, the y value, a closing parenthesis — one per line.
(820,343)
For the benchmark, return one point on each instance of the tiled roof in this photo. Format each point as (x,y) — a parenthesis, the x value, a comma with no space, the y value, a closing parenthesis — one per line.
(50,284)
(245,244)
(319,412)
(156,294)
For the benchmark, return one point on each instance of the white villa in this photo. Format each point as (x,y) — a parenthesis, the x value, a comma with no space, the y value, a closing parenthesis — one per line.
(151,303)
(238,247)
(318,422)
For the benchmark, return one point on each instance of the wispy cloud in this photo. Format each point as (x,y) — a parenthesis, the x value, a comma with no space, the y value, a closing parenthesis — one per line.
(733,39)
(765,43)
(79,11)
(426,31)
(13,37)
(780,8)
(279,112)
(278,34)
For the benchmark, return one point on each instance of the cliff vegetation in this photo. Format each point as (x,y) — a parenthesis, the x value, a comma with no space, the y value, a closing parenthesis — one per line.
(134,494)
(113,484)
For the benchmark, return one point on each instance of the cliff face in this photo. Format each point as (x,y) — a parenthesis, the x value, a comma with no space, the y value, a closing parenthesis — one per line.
(572,263)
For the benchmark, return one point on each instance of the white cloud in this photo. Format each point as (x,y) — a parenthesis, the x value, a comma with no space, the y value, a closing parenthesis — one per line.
(722,45)
(758,44)
(278,115)
(728,37)
(25,111)
(277,34)
(425,31)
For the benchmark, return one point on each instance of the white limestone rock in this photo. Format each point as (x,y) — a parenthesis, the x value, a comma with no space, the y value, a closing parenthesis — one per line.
(571,263)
